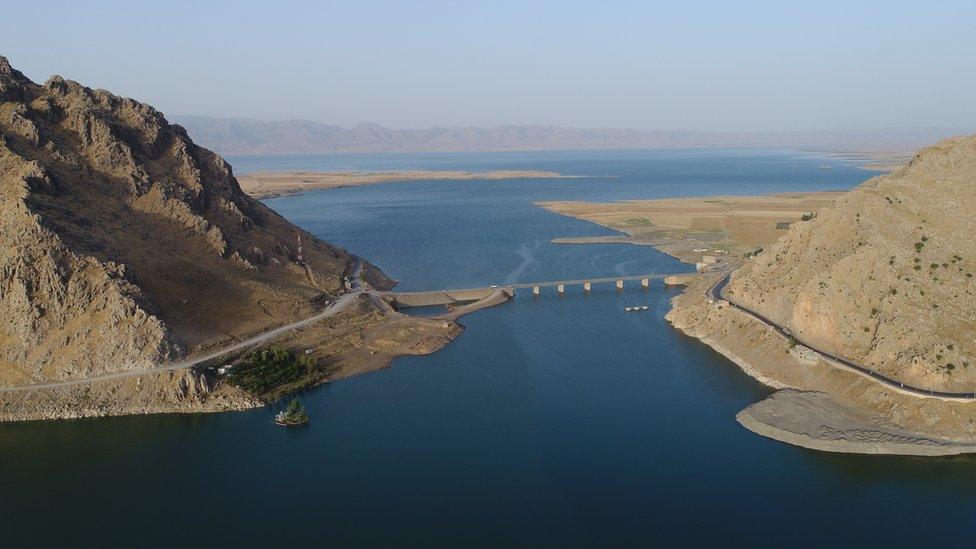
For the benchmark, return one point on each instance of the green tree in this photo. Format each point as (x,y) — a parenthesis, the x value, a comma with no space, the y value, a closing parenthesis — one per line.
(294,407)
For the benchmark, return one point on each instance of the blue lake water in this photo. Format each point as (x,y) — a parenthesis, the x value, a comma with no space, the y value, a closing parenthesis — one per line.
(552,421)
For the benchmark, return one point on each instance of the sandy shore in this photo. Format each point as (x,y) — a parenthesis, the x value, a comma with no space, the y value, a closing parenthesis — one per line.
(272,184)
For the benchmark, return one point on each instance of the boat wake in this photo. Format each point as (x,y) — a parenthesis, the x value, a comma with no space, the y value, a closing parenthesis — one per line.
(527,260)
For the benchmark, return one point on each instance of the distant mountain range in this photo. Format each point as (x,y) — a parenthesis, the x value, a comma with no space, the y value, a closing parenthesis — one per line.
(243,136)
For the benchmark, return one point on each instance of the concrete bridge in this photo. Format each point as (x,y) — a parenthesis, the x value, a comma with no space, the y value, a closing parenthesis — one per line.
(452,297)
(462,301)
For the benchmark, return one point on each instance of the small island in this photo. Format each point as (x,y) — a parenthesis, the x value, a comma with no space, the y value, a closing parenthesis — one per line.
(292,416)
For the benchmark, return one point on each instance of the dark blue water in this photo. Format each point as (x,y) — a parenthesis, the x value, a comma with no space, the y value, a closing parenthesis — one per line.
(435,234)
(557,421)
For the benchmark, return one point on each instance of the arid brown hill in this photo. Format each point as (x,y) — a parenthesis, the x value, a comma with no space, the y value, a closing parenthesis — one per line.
(887,276)
(124,245)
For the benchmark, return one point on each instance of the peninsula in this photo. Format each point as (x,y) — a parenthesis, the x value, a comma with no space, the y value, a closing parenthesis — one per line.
(262,185)
(726,227)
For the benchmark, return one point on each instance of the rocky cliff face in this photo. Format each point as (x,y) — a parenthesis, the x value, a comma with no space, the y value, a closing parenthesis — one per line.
(124,245)
(887,276)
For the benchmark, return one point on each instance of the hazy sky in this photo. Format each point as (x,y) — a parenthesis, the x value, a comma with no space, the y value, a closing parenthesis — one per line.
(731,65)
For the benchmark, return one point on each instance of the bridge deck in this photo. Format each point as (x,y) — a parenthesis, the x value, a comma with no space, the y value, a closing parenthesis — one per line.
(447,296)
(599,280)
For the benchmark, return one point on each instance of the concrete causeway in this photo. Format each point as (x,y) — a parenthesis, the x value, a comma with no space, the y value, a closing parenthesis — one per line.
(449,297)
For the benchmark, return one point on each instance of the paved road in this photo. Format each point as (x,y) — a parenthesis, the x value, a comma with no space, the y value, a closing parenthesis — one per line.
(333,308)
(357,288)
(715,292)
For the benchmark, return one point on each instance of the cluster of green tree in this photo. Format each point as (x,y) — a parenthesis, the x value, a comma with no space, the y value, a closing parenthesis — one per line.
(264,372)
(295,413)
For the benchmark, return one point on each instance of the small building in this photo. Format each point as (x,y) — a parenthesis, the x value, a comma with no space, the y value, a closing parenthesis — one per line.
(784,224)
(709,259)
(223,370)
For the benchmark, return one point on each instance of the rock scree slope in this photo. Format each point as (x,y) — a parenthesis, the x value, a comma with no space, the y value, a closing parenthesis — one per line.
(125,245)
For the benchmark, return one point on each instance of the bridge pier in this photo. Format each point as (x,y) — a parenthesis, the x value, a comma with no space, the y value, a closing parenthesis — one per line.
(561,288)
(645,283)
(535,290)
(586,286)
(620,284)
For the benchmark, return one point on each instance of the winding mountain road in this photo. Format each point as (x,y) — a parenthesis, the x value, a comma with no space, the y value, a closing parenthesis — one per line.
(715,292)
(333,308)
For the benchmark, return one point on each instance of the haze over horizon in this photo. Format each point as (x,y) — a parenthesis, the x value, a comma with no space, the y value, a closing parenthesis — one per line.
(760,66)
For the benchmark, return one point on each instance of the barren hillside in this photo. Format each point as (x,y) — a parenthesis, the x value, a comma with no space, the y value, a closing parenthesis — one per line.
(125,245)
(886,275)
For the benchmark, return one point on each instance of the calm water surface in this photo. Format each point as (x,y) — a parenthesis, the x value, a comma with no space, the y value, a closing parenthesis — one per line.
(555,421)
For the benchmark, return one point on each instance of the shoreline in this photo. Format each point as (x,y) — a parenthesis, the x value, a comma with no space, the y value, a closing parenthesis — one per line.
(813,421)
(716,230)
(854,414)
(396,335)
(876,161)
(271,184)
(381,336)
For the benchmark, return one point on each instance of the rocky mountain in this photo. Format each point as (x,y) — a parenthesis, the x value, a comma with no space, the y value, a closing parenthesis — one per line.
(241,136)
(887,275)
(124,245)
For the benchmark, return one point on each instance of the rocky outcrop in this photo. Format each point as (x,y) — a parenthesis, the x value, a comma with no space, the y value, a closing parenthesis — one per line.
(887,276)
(124,245)
(167,392)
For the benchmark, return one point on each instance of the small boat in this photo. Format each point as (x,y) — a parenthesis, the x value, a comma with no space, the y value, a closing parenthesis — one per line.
(628,309)
(644,308)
